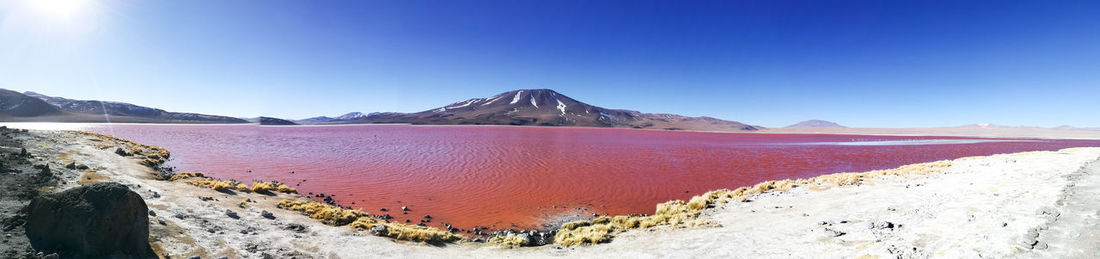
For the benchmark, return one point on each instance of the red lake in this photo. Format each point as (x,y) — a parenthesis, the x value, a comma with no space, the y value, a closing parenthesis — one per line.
(524,177)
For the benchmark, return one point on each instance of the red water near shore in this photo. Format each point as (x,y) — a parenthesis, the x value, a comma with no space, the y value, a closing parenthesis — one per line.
(504,177)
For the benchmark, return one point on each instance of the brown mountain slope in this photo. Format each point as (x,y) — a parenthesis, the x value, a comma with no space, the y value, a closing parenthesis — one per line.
(69,110)
(15,105)
(545,107)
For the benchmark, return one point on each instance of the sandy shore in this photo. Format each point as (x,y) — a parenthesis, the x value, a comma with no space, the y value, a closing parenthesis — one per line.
(1035,204)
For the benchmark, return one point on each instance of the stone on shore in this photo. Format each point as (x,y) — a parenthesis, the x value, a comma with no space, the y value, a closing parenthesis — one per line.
(93,221)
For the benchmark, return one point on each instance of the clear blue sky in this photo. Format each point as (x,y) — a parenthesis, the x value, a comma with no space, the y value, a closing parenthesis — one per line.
(767,62)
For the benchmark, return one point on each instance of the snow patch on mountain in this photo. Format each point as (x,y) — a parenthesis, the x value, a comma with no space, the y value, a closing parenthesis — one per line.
(516,99)
(533,101)
(351,116)
(493,100)
(561,105)
(467,103)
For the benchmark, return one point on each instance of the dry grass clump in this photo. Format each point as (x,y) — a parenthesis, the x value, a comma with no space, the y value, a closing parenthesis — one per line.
(198,179)
(678,213)
(337,216)
(217,185)
(593,234)
(271,187)
(510,240)
(327,214)
(185,175)
(406,232)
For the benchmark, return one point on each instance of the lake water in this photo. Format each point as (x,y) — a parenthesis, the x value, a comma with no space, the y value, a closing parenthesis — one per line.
(520,177)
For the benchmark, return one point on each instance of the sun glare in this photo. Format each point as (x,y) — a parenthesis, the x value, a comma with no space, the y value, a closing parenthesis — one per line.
(59,9)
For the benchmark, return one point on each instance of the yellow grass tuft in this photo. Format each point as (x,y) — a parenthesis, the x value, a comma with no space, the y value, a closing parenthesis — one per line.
(271,187)
(678,213)
(217,185)
(328,214)
(406,232)
(337,216)
(185,175)
(198,179)
(509,241)
(584,235)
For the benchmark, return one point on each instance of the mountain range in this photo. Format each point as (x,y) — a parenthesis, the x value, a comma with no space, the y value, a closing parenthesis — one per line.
(538,107)
(35,107)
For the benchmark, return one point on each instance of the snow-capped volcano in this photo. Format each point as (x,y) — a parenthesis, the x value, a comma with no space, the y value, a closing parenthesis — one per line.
(351,116)
(544,107)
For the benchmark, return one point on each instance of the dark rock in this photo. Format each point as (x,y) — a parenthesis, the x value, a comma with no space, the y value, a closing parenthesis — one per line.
(232,214)
(71,166)
(98,220)
(296,227)
(267,214)
(121,152)
(44,174)
(152,213)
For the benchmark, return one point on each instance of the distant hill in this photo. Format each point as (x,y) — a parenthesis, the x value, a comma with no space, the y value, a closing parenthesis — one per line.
(346,118)
(71,110)
(16,105)
(275,121)
(541,107)
(816,124)
(317,120)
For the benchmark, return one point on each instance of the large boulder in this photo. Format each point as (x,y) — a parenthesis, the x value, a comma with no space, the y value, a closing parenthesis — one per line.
(92,221)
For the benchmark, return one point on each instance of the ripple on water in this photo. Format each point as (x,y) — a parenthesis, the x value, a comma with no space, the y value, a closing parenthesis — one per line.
(499,176)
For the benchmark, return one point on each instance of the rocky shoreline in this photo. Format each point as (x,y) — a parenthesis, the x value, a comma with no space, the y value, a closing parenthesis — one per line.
(1035,204)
